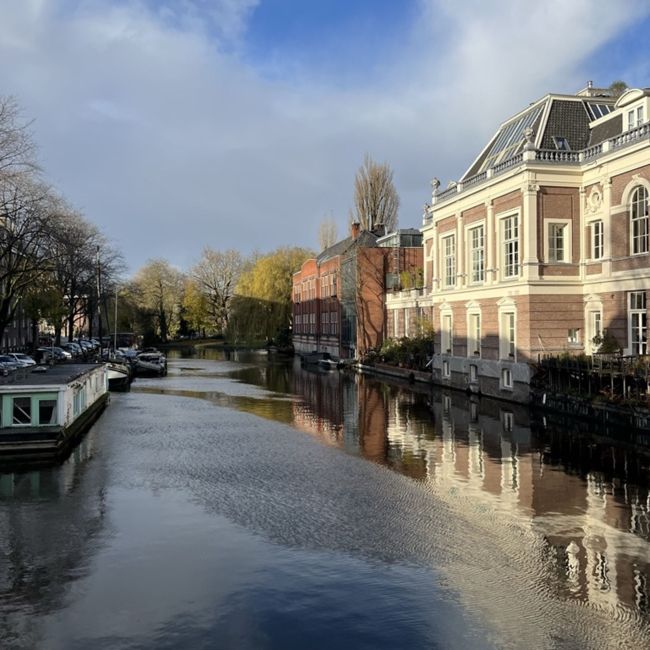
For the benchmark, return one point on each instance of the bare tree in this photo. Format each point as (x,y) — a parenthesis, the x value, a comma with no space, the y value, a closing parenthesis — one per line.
(375,197)
(327,233)
(24,241)
(81,258)
(217,274)
(17,149)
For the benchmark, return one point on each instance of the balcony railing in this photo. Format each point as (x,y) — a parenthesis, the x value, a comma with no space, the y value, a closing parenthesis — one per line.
(550,156)
(553,155)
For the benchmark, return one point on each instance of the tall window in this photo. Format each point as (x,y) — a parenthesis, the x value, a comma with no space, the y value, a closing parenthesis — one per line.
(510,231)
(449,260)
(557,242)
(508,335)
(638,323)
(639,220)
(597,239)
(474,335)
(477,254)
(595,328)
(447,336)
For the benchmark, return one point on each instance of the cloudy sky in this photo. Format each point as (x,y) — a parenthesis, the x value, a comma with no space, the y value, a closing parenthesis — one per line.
(176,124)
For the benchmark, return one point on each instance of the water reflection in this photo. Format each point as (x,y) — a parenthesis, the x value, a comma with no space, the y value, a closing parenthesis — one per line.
(586,498)
(40,558)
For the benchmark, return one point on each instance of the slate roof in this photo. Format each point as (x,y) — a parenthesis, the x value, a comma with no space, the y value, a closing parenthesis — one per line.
(57,375)
(365,239)
(567,119)
(563,116)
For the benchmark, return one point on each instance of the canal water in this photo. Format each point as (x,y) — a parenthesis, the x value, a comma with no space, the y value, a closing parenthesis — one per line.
(246,502)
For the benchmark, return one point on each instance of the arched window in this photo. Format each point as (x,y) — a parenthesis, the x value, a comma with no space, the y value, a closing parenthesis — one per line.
(639,220)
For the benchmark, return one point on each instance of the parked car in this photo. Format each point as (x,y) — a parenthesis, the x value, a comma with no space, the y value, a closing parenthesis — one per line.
(60,353)
(73,348)
(43,355)
(8,362)
(23,360)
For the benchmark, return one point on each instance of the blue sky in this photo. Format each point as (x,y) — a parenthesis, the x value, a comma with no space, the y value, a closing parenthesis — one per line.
(176,124)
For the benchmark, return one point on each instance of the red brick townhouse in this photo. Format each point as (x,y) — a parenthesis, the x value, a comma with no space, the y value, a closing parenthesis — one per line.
(544,243)
(339,297)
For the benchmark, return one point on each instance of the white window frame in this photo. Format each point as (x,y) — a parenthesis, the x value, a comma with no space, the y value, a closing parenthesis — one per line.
(446,331)
(562,226)
(510,246)
(639,221)
(573,336)
(474,332)
(594,323)
(506,379)
(473,372)
(448,257)
(476,253)
(596,239)
(637,322)
(507,330)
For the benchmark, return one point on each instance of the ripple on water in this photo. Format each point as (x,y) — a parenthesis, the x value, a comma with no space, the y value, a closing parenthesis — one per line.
(270,480)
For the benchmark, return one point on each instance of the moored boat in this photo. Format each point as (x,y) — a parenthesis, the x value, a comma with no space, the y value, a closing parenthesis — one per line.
(149,364)
(42,412)
(119,375)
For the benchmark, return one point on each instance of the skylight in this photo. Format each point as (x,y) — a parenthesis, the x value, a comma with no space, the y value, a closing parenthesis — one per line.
(598,110)
(511,137)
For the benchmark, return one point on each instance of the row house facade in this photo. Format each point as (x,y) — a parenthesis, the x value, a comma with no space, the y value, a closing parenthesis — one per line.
(543,246)
(339,298)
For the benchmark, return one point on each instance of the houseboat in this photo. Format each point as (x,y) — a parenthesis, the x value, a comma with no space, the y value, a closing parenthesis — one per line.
(44,409)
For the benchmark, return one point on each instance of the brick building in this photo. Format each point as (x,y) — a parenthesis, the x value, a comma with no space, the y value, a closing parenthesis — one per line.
(339,297)
(544,243)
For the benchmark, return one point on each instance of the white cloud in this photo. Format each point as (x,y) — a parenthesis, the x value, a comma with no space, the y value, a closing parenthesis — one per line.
(169,142)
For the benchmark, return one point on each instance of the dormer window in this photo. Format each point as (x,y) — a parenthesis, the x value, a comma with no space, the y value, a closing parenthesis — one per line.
(561,143)
(635,117)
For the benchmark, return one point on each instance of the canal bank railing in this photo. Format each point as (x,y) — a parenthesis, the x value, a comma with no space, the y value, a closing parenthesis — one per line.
(610,388)
(613,376)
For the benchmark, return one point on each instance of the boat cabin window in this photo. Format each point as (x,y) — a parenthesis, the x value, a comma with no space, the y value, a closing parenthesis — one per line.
(47,411)
(79,401)
(22,411)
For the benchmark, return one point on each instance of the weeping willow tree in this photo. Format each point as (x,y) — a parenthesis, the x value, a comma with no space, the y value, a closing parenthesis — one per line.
(261,306)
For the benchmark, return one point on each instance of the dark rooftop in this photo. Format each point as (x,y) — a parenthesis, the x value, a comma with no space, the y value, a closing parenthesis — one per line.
(58,375)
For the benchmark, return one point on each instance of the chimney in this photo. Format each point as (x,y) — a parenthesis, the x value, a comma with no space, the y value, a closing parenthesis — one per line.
(356,226)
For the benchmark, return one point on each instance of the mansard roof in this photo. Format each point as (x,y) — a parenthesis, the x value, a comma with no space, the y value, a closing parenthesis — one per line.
(558,122)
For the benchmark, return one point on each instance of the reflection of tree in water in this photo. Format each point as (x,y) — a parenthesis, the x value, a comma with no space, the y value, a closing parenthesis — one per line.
(51,520)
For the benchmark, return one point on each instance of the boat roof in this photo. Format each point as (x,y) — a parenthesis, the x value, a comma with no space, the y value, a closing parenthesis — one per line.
(58,375)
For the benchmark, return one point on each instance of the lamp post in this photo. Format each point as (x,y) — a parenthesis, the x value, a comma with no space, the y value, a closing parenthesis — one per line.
(99,303)
(115,324)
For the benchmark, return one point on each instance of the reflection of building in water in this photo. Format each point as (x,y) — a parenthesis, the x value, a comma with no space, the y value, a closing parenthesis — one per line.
(321,413)
(578,496)
(48,521)
(598,529)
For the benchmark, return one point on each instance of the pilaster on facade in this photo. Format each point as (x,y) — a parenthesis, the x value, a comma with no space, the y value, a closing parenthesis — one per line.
(530,264)
(566,239)
(491,239)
